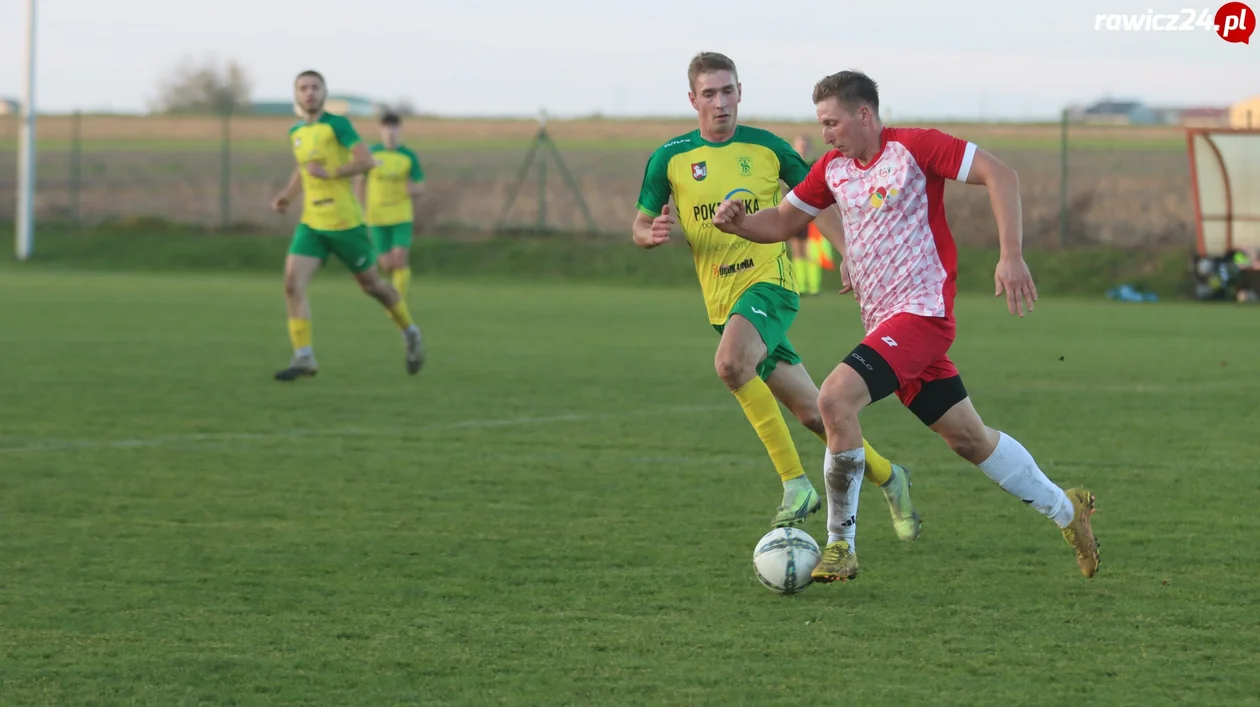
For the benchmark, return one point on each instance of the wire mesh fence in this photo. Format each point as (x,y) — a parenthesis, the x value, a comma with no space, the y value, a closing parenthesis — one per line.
(1080,184)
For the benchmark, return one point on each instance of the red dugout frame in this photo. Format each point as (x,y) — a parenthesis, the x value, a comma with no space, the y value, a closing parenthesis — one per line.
(1229,217)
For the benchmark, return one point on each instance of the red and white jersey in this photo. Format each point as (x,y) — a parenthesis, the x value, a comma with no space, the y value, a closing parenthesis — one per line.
(900,253)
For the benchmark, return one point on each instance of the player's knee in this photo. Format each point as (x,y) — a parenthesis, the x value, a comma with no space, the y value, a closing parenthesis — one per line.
(842,395)
(969,442)
(733,371)
(369,282)
(963,445)
(293,289)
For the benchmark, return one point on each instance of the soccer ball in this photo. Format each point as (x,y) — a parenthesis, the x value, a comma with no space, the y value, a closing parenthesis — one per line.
(784,559)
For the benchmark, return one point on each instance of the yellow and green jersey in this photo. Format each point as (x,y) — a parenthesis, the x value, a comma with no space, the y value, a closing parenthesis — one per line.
(701,175)
(328,204)
(388,200)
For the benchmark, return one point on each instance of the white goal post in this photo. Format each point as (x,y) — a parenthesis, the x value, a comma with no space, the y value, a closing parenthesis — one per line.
(24,228)
(1225,182)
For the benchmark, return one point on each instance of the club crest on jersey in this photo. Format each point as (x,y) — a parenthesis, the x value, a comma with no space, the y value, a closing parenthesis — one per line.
(699,170)
(745,166)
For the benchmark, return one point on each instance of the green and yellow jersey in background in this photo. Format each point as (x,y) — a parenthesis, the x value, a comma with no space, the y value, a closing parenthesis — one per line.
(328,204)
(388,200)
(700,175)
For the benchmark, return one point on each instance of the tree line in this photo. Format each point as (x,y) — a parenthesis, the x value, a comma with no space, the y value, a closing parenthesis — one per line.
(209,86)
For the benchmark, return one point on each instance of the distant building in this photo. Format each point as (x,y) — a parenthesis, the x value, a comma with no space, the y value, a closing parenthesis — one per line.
(351,106)
(1166,115)
(1110,112)
(1203,117)
(1245,113)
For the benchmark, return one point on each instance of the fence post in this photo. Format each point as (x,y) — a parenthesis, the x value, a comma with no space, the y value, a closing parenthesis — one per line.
(1063,184)
(225,171)
(542,194)
(76,165)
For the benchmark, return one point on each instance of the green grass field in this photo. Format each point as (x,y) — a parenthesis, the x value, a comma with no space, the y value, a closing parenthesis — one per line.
(561,508)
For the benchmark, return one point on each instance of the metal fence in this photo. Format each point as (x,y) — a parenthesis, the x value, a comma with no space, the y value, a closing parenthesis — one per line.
(1081,184)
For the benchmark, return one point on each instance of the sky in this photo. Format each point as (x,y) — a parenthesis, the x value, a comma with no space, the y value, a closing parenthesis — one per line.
(933,59)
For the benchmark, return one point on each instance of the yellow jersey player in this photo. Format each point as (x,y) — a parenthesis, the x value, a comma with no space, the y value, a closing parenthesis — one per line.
(750,290)
(391,190)
(329,153)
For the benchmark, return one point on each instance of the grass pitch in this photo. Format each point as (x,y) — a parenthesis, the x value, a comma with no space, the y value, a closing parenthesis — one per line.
(561,508)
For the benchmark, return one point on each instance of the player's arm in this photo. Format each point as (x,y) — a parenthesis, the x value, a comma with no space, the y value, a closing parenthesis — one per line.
(290,190)
(360,188)
(652,231)
(1012,274)
(1002,183)
(415,178)
(654,220)
(766,226)
(361,163)
(949,157)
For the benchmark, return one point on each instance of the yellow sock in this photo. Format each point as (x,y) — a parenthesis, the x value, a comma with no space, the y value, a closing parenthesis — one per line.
(400,314)
(801,268)
(402,281)
(762,410)
(300,333)
(814,275)
(878,469)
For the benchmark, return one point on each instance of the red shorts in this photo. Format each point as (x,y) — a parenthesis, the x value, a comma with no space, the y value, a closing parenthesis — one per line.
(915,348)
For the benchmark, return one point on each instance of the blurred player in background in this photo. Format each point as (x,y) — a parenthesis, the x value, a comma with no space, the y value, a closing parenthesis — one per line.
(750,290)
(329,153)
(392,189)
(811,252)
(889,185)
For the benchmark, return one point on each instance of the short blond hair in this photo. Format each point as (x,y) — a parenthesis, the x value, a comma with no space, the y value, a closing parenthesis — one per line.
(707,63)
(850,88)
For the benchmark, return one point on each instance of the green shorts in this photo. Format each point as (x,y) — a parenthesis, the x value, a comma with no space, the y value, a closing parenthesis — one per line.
(387,238)
(771,309)
(351,246)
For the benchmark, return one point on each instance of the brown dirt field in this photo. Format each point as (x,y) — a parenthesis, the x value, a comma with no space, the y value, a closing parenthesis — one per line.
(462,129)
(1130,197)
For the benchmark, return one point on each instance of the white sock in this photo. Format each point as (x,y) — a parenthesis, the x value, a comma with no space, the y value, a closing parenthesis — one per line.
(844,479)
(1013,468)
(304,351)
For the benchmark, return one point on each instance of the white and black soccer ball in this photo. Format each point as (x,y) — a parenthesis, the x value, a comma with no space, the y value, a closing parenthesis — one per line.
(784,559)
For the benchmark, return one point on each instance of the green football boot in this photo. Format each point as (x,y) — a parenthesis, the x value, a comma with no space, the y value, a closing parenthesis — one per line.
(807,501)
(905,519)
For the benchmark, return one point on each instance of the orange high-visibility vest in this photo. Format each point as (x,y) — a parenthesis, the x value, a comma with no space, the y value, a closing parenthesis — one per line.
(818,244)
